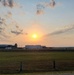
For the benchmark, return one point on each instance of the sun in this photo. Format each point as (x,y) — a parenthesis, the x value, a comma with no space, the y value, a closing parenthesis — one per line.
(34,36)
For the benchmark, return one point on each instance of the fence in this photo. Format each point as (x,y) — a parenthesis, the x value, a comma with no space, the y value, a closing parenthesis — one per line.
(36,66)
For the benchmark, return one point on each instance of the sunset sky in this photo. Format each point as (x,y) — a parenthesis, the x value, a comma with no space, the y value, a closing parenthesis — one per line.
(37,22)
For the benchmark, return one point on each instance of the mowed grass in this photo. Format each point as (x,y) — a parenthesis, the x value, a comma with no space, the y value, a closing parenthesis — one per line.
(24,56)
(10,62)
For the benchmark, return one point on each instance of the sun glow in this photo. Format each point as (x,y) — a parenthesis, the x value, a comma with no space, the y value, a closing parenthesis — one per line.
(34,36)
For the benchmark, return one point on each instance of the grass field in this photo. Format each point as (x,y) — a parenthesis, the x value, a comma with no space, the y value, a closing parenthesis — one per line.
(11,62)
(46,73)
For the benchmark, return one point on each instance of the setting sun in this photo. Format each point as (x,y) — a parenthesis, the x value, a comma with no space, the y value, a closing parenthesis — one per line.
(34,36)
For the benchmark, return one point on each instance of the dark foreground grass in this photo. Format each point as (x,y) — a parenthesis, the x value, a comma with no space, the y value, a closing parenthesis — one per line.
(46,73)
(29,62)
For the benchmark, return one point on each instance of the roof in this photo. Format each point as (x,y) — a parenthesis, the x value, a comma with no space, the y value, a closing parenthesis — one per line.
(4,46)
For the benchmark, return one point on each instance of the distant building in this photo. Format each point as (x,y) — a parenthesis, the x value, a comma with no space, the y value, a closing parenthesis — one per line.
(32,47)
(5,46)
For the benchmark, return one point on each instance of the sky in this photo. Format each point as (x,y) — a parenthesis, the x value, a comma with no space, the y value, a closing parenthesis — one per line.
(52,21)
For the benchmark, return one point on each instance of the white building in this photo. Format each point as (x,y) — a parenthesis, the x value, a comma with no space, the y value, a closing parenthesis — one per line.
(32,47)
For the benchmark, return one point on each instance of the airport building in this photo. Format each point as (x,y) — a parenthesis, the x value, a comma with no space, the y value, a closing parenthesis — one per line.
(5,46)
(36,47)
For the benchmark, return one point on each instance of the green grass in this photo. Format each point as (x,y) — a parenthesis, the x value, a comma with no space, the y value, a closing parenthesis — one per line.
(35,61)
(21,56)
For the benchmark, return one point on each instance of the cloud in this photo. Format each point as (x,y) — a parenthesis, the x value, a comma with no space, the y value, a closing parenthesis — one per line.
(3,33)
(17,32)
(17,26)
(39,12)
(9,3)
(1,29)
(4,39)
(9,14)
(41,6)
(58,32)
(40,9)
(7,23)
(52,4)
(2,21)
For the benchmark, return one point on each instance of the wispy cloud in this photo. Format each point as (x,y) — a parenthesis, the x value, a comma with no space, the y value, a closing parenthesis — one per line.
(58,32)
(51,4)
(2,32)
(39,12)
(2,27)
(9,14)
(7,29)
(17,32)
(40,9)
(8,25)
(9,3)
(41,6)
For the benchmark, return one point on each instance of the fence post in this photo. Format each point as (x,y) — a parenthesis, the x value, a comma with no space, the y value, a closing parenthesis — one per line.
(54,67)
(21,67)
